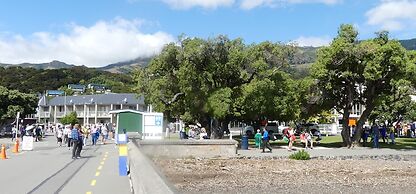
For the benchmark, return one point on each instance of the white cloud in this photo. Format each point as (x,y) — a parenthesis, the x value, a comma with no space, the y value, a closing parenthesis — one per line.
(101,44)
(250,4)
(312,41)
(393,14)
(207,4)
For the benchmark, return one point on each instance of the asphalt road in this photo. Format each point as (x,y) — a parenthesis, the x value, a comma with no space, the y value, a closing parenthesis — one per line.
(50,169)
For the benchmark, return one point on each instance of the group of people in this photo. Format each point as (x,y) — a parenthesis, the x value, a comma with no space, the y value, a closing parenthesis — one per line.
(289,137)
(193,132)
(36,131)
(76,137)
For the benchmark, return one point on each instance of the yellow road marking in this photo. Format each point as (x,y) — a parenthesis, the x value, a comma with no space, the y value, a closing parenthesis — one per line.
(106,152)
(93,182)
(104,158)
(89,192)
(100,167)
(97,174)
(102,163)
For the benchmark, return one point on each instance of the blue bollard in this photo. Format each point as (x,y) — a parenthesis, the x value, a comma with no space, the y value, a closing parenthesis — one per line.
(244,142)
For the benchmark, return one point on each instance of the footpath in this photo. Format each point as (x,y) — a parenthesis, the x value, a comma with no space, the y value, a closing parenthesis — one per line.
(332,153)
(50,169)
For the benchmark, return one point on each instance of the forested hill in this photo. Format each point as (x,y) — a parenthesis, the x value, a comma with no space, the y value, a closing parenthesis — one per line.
(409,44)
(31,80)
(51,65)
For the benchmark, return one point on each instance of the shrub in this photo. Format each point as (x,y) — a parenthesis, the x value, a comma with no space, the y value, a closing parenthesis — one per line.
(300,155)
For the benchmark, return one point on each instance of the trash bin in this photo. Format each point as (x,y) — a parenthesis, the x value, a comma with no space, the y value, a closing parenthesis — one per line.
(244,142)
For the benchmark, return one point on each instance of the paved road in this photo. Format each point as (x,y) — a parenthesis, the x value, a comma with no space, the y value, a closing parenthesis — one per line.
(50,169)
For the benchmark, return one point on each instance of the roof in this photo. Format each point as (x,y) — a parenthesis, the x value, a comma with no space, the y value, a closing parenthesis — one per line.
(76,86)
(55,92)
(134,111)
(123,98)
(125,110)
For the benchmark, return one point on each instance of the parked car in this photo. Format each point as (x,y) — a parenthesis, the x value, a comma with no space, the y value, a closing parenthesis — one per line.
(249,131)
(312,127)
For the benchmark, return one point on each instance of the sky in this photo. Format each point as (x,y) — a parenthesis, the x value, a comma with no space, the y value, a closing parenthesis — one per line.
(100,32)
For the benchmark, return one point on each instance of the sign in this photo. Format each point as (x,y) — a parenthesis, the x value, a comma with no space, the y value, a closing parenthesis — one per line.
(158,120)
(352,122)
(27,143)
(121,139)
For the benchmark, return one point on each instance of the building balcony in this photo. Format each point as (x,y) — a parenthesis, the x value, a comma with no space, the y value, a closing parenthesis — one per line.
(43,114)
(60,114)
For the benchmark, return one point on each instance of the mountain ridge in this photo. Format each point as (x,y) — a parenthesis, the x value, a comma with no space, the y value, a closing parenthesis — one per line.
(306,55)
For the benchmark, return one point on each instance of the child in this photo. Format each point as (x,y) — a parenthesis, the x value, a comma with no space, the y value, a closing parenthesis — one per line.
(257,138)
(309,140)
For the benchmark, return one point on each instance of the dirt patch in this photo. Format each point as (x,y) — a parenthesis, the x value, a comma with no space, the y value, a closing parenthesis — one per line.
(289,176)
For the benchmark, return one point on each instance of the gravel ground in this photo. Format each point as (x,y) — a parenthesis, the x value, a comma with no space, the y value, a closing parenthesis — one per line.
(258,175)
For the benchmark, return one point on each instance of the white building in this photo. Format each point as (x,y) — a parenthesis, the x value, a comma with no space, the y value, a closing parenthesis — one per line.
(90,109)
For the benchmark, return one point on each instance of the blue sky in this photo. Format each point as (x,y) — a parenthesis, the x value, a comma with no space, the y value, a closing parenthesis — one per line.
(100,32)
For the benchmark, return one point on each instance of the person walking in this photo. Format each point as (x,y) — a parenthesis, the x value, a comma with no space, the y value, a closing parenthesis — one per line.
(14,133)
(68,137)
(258,138)
(76,138)
(104,133)
(93,135)
(376,135)
(85,133)
(266,140)
(59,135)
(391,130)
(291,137)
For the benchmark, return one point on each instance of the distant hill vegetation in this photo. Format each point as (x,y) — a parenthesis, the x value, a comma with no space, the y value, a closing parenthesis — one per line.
(305,55)
(127,66)
(50,65)
(31,80)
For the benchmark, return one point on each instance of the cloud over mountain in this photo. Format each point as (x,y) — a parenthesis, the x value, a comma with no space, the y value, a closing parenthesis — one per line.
(101,44)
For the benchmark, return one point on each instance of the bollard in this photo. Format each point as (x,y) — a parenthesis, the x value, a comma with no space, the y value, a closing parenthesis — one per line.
(3,152)
(244,142)
(122,159)
(16,147)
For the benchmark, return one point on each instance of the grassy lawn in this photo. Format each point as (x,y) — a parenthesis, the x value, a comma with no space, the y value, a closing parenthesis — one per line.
(329,142)
(336,142)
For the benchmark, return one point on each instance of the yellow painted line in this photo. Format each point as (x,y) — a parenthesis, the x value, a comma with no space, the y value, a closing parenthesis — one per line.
(104,159)
(97,174)
(102,163)
(100,167)
(93,182)
(89,192)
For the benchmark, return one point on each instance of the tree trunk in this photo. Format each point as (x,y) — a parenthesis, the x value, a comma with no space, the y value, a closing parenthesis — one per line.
(345,133)
(217,131)
(360,123)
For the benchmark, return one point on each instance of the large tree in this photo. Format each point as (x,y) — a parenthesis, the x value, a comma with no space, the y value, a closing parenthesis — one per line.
(13,101)
(217,80)
(359,72)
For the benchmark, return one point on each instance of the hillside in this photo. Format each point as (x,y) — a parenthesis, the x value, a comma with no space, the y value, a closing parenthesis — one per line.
(409,44)
(305,55)
(127,66)
(50,65)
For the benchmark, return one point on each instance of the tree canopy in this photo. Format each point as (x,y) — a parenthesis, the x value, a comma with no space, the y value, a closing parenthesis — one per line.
(70,118)
(30,80)
(218,80)
(13,101)
(361,72)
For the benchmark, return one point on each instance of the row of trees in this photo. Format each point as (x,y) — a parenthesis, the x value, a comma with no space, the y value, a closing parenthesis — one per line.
(31,80)
(217,80)
(13,101)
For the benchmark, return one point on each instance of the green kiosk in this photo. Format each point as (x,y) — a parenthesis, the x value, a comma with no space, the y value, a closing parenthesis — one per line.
(148,125)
